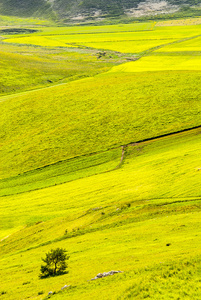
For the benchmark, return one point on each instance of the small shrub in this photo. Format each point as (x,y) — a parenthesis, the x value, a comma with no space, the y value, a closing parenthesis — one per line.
(27,282)
(40,293)
(2,293)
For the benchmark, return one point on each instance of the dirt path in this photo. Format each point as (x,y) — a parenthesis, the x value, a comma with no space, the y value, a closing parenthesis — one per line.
(122,157)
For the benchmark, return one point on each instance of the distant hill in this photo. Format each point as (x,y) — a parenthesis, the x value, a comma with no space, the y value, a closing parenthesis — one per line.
(82,9)
(79,10)
(26,8)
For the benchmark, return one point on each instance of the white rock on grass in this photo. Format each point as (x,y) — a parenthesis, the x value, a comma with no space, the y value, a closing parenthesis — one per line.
(105,274)
(64,287)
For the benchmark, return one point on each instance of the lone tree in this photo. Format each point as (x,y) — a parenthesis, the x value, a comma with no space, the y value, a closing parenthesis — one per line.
(55,263)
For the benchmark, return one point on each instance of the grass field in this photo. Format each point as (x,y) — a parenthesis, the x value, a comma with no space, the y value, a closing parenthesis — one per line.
(134,38)
(102,158)
(109,37)
(125,221)
(124,43)
(25,67)
(42,127)
(61,172)
(186,46)
(183,54)
(162,63)
(61,30)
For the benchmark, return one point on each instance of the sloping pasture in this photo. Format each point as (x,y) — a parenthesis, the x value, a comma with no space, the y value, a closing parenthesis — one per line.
(80,168)
(27,68)
(63,171)
(43,127)
(118,220)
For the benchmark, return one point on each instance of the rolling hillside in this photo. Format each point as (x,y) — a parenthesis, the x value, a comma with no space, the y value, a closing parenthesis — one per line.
(100,150)
(43,127)
(121,220)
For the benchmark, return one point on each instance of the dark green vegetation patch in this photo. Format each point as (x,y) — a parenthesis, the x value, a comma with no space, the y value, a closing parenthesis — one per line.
(17,30)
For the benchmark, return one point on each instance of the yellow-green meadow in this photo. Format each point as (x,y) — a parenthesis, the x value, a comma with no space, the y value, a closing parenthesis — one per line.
(100,155)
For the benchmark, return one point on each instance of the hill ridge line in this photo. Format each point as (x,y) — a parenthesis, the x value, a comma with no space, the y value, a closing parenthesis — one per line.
(164,135)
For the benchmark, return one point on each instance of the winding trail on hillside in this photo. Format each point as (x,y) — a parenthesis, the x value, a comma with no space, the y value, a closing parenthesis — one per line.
(122,157)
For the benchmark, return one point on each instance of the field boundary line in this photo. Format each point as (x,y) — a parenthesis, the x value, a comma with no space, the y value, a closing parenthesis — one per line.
(123,147)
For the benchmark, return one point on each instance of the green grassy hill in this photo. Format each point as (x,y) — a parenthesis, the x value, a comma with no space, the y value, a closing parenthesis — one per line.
(43,127)
(24,68)
(121,220)
(100,155)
